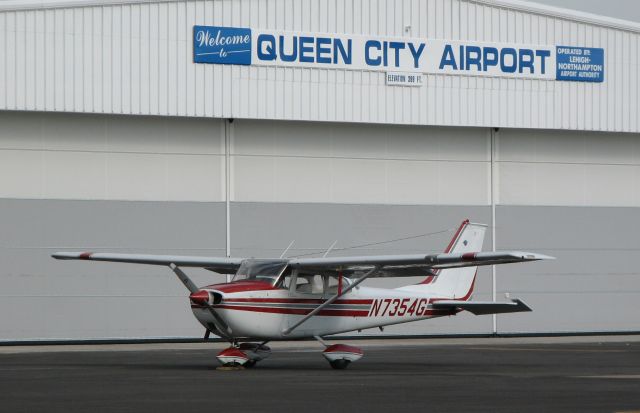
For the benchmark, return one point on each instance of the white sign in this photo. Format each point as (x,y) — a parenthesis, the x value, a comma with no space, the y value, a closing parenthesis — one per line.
(404,79)
(355,52)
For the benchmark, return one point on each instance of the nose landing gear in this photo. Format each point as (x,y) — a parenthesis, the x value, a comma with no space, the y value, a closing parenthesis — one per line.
(232,357)
(255,351)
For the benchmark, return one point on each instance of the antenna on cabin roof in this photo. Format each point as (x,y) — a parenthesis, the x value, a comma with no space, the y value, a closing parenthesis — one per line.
(330,248)
(287,249)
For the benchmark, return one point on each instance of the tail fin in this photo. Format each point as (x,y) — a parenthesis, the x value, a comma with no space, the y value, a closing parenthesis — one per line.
(456,283)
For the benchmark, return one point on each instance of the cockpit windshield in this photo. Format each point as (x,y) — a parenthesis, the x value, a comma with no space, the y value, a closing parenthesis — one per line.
(261,270)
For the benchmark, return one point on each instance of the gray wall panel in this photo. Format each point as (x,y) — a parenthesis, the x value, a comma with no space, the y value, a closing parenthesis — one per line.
(594,285)
(47,299)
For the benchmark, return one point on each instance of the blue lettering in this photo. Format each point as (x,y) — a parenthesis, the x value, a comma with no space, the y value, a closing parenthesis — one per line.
(489,61)
(448,59)
(472,59)
(508,51)
(306,47)
(367,53)
(322,48)
(266,47)
(294,53)
(396,46)
(528,62)
(338,47)
(385,49)
(543,54)
(416,53)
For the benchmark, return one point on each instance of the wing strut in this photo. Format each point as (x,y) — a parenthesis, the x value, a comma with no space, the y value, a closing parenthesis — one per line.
(330,301)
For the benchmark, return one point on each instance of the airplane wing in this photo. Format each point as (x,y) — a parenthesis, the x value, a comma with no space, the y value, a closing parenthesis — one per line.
(483,307)
(221,265)
(388,265)
(410,265)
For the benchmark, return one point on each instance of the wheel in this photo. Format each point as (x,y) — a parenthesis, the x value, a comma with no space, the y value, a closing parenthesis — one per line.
(250,364)
(340,364)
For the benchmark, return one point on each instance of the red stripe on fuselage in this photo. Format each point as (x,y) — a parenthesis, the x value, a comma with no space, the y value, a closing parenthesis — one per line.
(241,286)
(328,313)
(295,301)
(296,311)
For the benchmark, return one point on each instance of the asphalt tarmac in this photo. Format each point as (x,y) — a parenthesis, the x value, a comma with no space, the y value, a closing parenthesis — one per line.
(492,375)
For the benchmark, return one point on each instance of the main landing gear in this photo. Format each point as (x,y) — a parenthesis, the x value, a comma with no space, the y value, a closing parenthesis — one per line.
(246,355)
(243,355)
(340,356)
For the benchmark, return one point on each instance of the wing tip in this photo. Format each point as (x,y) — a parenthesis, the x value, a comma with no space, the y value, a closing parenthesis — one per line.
(530,256)
(537,257)
(72,255)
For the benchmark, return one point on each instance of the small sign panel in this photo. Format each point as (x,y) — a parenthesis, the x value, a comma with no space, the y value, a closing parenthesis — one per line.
(226,45)
(579,64)
(404,79)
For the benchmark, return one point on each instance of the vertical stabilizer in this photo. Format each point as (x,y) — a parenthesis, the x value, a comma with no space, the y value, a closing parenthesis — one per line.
(456,283)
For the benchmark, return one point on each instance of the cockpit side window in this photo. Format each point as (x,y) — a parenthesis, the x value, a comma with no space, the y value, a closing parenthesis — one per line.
(309,284)
(260,270)
(305,283)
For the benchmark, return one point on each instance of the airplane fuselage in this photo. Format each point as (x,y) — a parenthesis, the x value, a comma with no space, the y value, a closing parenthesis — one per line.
(265,314)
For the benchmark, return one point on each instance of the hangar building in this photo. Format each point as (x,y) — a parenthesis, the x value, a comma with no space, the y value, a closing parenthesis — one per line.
(217,127)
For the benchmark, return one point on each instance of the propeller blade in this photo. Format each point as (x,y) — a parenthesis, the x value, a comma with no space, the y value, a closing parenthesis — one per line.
(227,330)
(184,278)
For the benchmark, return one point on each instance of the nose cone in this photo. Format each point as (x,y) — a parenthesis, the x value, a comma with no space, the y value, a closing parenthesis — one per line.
(200,298)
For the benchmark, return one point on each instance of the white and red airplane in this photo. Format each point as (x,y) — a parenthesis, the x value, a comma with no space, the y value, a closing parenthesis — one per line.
(284,299)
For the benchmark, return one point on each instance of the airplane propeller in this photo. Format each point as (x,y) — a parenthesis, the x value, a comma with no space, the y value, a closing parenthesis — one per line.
(201,297)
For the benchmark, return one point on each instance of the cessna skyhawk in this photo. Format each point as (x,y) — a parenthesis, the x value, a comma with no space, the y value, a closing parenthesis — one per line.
(283,299)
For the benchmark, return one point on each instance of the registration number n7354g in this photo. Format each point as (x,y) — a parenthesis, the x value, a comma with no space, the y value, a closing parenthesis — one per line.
(398,307)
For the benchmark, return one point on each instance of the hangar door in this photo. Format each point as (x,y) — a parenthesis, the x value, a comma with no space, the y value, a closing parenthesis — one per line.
(123,183)
(575,196)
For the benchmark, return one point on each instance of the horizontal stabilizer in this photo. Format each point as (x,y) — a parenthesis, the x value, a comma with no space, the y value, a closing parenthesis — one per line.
(483,307)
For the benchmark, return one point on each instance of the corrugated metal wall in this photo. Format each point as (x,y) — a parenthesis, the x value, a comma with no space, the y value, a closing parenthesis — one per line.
(136,59)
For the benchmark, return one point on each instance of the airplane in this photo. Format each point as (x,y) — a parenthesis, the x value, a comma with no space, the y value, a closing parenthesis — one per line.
(296,298)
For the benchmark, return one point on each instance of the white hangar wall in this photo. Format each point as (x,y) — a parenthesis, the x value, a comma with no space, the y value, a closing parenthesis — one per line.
(67,156)
(568,168)
(64,156)
(136,58)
